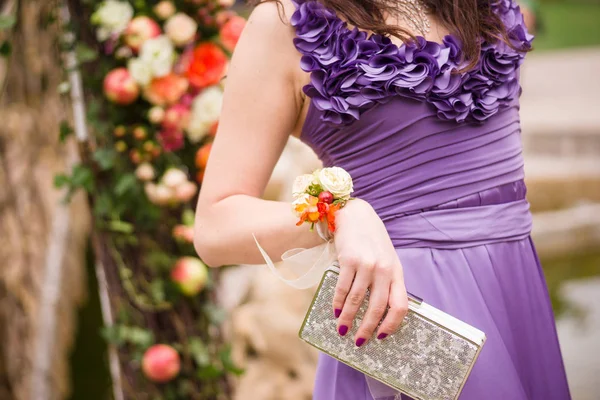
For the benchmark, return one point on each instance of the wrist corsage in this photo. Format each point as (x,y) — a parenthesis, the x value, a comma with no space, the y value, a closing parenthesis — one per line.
(319,195)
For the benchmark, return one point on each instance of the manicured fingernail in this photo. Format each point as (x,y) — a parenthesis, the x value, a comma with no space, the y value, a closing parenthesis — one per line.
(338,312)
(382,336)
(360,342)
(343,329)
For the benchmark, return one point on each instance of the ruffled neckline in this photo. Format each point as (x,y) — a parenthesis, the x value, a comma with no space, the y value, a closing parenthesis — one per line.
(352,71)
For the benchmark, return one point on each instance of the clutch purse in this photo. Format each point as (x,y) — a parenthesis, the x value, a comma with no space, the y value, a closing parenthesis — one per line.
(428,358)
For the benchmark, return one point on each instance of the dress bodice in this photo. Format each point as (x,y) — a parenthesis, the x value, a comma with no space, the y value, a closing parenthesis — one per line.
(412,132)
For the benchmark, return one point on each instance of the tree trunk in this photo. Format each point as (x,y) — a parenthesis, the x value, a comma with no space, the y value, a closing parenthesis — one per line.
(43,240)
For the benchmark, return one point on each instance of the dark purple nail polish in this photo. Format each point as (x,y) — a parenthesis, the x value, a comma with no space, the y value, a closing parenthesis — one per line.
(382,336)
(338,312)
(360,342)
(343,329)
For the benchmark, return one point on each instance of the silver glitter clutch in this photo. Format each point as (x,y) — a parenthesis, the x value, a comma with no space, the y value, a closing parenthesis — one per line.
(428,358)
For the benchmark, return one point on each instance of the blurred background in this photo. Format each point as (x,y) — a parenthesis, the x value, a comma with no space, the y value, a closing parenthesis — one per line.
(51,302)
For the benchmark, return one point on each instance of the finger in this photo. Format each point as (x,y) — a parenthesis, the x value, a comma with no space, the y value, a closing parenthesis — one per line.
(398,308)
(378,302)
(354,299)
(342,288)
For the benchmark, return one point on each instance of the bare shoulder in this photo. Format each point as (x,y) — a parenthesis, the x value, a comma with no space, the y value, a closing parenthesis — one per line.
(270,20)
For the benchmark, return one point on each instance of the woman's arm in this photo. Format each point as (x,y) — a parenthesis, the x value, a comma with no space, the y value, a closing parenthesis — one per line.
(262,106)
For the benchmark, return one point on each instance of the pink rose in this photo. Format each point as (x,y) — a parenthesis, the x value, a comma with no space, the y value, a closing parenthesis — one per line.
(231,31)
(176,117)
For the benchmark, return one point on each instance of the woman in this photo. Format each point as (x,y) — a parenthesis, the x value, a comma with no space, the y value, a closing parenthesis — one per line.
(423,114)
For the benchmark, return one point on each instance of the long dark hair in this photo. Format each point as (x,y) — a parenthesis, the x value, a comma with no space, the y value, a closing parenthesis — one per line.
(471,21)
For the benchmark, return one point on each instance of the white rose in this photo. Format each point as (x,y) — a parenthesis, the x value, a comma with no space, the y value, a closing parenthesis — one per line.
(158,194)
(174,177)
(140,71)
(112,17)
(301,184)
(158,53)
(164,9)
(206,109)
(181,29)
(144,172)
(336,181)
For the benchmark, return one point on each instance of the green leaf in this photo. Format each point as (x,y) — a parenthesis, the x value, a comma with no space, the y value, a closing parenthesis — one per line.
(7,21)
(120,226)
(199,352)
(125,184)
(215,314)
(61,180)
(188,217)
(5,49)
(82,177)
(112,334)
(157,290)
(65,130)
(139,337)
(85,53)
(228,363)
(158,260)
(105,158)
(209,372)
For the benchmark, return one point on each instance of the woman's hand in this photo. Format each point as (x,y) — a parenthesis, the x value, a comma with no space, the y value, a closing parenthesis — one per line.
(367,260)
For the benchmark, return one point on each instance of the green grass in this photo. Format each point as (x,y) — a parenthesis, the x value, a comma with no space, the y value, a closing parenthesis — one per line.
(568,24)
(558,271)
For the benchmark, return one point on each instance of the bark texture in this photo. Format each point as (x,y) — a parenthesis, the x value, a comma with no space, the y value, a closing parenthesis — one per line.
(30,154)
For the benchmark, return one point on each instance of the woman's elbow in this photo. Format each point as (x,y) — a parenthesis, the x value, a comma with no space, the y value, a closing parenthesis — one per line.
(206,248)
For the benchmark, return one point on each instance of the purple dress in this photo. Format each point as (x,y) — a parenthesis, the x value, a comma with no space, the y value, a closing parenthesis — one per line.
(439,157)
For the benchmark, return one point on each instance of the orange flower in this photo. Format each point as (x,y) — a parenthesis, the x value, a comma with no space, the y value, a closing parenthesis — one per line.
(207,65)
(166,89)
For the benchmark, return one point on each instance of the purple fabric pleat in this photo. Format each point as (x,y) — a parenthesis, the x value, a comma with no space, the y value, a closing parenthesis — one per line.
(439,157)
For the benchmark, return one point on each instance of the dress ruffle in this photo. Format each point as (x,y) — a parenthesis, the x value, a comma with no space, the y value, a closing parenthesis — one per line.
(352,71)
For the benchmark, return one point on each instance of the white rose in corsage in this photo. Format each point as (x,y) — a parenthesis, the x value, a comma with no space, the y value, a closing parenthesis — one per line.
(302,183)
(336,181)
(319,195)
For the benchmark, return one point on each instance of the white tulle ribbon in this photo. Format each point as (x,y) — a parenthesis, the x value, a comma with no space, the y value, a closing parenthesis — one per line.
(307,265)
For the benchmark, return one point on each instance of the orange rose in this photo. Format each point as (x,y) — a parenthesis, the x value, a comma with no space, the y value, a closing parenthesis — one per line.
(231,31)
(166,89)
(207,65)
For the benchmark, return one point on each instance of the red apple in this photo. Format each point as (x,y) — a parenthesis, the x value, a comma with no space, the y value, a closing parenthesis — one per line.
(161,363)
(120,87)
(202,155)
(190,275)
(139,30)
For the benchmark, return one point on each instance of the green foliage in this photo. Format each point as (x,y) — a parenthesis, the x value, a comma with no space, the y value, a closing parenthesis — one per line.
(122,334)
(136,229)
